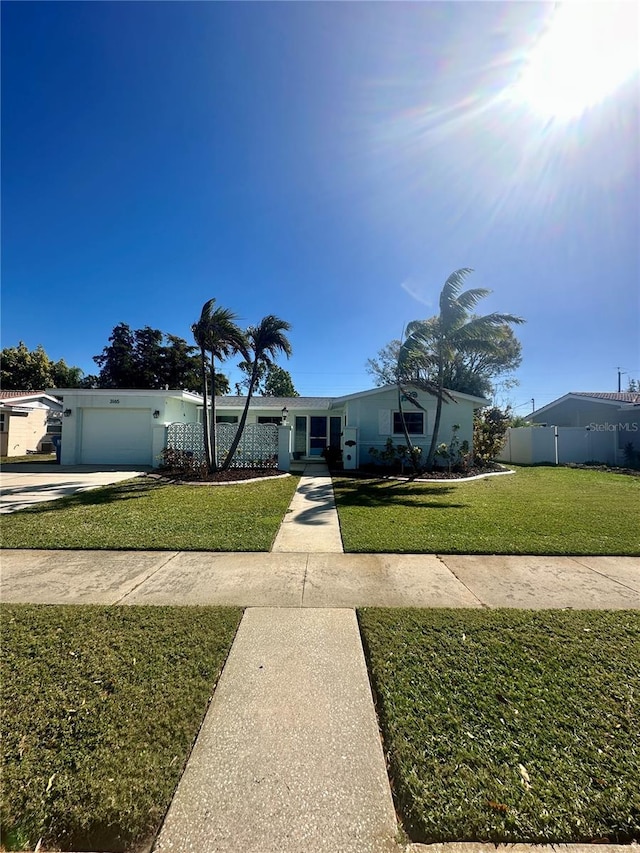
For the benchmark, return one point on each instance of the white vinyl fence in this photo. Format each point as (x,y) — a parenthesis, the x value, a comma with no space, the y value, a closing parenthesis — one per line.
(560,445)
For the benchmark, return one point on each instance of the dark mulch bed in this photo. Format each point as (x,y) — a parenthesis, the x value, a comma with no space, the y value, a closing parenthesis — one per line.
(632,472)
(378,473)
(231,475)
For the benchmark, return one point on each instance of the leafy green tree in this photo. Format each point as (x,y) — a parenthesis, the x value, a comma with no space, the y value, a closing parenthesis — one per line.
(271,381)
(117,362)
(149,358)
(32,370)
(65,376)
(265,341)
(435,344)
(247,368)
(468,372)
(140,358)
(279,383)
(218,337)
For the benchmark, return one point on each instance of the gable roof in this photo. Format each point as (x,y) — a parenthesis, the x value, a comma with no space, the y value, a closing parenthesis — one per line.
(613,398)
(481,401)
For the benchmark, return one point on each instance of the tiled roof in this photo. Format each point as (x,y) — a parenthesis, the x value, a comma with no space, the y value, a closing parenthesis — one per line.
(22,395)
(615,396)
(10,395)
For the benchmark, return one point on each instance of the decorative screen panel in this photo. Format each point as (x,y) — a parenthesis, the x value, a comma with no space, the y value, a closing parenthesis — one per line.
(258,447)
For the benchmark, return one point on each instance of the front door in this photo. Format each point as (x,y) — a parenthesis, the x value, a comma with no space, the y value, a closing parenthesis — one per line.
(317,435)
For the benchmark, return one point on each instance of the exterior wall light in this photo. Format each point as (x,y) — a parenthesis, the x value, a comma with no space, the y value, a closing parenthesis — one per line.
(67,413)
(285,412)
(156,414)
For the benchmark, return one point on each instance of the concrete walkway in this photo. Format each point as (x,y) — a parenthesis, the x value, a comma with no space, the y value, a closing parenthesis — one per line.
(22,485)
(289,758)
(311,522)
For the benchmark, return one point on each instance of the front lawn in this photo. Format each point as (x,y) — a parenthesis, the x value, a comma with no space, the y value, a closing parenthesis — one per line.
(510,726)
(100,708)
(147,515)
(537,510)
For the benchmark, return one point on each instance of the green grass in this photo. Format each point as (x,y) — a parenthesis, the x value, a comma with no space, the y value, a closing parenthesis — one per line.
(534,511)
(510,726)
(100,708)
(146,515)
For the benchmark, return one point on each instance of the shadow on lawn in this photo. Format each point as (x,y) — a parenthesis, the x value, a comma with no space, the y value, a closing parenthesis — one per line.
(94,497)
(383,493)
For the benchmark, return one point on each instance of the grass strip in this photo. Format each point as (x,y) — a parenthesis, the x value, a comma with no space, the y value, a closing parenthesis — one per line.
(100,708)
(510,726)
(534,511)
(143,514)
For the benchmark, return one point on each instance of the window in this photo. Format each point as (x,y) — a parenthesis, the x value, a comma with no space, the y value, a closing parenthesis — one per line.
(413,420)
(3,423)
(226,419)
(270,419)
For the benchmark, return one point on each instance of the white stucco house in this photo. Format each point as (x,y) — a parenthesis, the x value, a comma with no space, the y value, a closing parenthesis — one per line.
(130,427)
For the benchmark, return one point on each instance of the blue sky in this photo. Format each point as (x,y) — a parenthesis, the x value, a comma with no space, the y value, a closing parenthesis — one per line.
(330,163)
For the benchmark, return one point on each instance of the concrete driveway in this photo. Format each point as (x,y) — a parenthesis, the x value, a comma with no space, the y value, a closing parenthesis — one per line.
(24,484)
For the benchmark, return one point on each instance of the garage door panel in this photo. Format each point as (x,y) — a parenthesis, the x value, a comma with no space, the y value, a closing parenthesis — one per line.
(116,436)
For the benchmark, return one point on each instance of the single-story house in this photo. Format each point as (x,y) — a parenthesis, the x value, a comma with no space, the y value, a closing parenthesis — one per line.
(28,422)
(107,426)
(582,426)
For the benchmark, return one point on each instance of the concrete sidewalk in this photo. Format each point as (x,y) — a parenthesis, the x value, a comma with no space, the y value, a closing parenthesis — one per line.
(319,580)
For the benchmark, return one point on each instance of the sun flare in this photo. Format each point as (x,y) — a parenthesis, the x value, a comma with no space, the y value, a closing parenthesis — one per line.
(587,51)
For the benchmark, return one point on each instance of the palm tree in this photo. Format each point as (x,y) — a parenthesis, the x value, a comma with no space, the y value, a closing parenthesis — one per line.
(436,342)
(265,341)
(215,333)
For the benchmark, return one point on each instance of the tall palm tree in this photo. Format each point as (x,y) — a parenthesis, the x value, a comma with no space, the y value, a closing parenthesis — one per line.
(217,334)
(265,341)
(454,330)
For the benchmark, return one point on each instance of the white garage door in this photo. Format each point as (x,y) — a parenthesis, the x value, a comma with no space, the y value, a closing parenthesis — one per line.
(116,437)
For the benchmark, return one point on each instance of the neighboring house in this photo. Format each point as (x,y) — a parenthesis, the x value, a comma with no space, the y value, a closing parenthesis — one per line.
(591,426)
(28,422)
(116,427)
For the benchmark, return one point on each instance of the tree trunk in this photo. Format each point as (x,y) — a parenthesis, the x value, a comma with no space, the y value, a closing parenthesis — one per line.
(436,424)
(412,455)
(243,418)
(212,423)
(205,409)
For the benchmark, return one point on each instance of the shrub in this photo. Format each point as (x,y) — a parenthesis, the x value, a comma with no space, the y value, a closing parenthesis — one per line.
(456,454)
(631,456)
(175,461)
(489,431)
